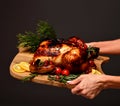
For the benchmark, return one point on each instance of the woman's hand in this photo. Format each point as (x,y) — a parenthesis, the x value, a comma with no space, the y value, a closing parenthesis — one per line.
(88,85)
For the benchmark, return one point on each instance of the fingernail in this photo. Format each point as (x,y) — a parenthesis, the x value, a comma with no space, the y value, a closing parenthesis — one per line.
(68,81)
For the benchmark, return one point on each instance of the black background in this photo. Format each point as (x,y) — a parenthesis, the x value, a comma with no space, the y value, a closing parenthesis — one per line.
(91,20)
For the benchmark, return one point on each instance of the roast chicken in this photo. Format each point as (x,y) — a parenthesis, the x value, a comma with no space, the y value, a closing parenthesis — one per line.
(72,54)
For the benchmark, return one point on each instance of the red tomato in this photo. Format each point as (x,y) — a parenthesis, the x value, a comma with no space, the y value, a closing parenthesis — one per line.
(46,63)
(85,47)
(88,71)
(65,72)
(50,62)
(91,62)
(57,77)
(58,71)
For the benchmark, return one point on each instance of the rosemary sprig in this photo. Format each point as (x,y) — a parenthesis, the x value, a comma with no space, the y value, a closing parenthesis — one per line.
(59,78)
(62,78)
(92,52)
(30,77)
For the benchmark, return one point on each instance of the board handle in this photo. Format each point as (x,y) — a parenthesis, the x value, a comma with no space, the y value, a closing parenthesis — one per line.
(99,61)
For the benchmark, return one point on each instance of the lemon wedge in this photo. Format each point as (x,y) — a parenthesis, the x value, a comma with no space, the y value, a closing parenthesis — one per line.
(17,68)
(24,65)
(94,71)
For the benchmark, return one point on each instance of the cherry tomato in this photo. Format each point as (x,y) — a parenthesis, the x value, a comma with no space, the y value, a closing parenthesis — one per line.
(85,47)
(57,77)
(65,72)
(88,71)
(46,63)
(50,62)
(58,71)
(91,62)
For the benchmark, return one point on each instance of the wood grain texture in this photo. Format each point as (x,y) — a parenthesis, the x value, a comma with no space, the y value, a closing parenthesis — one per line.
(43,79)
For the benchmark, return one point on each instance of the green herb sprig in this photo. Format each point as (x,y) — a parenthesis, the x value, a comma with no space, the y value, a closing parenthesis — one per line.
(30,77)
(45,30)
(32,39)
(62,78)
(92,52)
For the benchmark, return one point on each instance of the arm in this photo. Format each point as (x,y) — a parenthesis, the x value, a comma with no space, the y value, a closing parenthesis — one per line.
(90,85)
(111,82)
(107,47)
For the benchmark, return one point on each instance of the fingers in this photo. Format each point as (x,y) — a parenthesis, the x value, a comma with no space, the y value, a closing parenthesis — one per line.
(75,81)
(83,88)
(76,90)
(92,96)
(82,92)
(90,44)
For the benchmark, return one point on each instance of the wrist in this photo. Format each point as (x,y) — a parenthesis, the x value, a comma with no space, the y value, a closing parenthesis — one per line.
(105,81)
(109,81)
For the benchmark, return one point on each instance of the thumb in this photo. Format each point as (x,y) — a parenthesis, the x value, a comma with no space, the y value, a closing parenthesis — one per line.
(75,81)
(90,44)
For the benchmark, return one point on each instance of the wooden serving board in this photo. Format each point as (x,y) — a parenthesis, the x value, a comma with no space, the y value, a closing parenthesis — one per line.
(43,79)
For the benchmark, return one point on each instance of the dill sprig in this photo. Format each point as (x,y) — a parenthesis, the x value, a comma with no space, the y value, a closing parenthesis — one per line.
(28,39)
(32,39)
(45,30)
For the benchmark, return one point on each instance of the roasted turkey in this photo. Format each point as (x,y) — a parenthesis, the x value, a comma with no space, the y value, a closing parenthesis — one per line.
(72,54)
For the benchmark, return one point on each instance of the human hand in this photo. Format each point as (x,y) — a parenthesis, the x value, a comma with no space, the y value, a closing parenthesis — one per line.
(91,44)
(88,85)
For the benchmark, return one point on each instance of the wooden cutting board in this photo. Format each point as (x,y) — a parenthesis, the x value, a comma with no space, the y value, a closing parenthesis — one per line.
(43,79)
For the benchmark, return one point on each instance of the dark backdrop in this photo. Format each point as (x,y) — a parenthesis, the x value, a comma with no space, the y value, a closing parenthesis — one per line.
(91,20)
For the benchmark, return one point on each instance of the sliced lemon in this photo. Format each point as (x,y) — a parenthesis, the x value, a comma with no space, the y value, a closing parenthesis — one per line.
(24,65)
(94,71)
(17,68)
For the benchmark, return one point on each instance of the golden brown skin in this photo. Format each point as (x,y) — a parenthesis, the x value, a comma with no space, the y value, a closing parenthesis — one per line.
(70,54)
